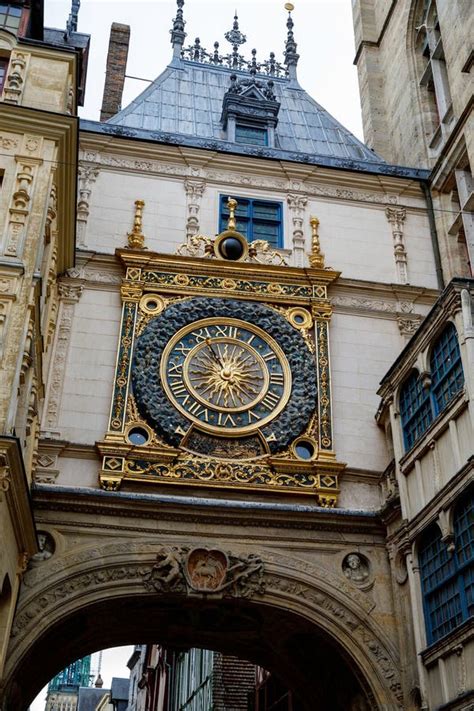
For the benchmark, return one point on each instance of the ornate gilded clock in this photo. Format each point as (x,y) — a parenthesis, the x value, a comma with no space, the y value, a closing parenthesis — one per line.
(224,377)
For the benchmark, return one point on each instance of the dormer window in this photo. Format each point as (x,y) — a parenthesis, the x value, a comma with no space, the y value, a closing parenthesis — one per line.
(251,135)
(250,111)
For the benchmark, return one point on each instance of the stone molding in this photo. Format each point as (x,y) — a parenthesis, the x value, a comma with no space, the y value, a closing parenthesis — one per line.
(244,180)
(15,79)
(126,568)
(98,275)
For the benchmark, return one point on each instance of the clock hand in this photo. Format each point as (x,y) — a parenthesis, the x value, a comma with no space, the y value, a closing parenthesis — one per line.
(214,354)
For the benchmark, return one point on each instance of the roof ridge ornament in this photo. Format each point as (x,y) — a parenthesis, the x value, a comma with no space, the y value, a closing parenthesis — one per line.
(178,34)
(71,24)
(291,55)
(235,36)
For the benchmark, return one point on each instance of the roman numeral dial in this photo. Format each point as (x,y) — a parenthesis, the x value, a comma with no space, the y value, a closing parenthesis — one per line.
(226,376)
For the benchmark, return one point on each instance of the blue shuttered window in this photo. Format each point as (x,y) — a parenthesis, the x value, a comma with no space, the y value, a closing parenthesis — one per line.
(447,579)
(420,405)
(447,377)
(256,219)
(415,409)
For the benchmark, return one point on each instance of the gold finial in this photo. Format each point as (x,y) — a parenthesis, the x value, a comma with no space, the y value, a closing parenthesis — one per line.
(289,6)
(232,205)
(316,258)
(136,238)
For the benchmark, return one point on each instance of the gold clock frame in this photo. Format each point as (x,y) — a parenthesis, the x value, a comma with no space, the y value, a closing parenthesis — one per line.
(290,291)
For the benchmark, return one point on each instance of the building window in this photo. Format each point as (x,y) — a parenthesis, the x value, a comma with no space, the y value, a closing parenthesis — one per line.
(447,579)
(250,134)
(3,72)
(10,16)
(447,377)
(434,74)
(256,219)
(415,409)
(419,405)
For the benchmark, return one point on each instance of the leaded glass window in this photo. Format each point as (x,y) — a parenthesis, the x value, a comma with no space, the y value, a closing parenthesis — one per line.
(251,134)
(447,377)
(447,578)
(415,409)
(10,16)
(256,219)
(420,405)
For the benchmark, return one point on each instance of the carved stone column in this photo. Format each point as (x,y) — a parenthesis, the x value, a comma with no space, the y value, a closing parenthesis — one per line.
(194,192)
(69,295)
(87,177)
(15,82)
(396,217)
(19,209)
(297,205)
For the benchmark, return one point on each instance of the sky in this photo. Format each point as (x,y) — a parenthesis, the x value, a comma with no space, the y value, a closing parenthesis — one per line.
(323,31)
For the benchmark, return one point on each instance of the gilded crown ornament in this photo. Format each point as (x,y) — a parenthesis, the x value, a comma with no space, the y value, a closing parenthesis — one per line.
(316,258)
(136,238)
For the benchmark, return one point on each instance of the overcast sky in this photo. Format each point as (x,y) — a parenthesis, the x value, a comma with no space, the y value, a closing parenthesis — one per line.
(323,31)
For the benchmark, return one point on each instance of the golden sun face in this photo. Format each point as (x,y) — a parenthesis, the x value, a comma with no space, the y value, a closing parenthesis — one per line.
(227,377)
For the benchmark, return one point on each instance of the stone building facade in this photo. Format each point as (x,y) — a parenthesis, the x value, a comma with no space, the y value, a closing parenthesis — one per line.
(224,218)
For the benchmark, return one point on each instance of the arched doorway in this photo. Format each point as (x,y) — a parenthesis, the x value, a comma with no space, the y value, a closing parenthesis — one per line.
(272,610)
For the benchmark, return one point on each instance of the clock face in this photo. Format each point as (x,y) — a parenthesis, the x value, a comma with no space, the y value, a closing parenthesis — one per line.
(221,385)
(226,375)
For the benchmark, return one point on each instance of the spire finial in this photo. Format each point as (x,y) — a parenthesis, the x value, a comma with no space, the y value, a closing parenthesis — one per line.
(177,33)
(235,36)
(136,238)
(291,55)
(71,24)
(232,205)
(316,258)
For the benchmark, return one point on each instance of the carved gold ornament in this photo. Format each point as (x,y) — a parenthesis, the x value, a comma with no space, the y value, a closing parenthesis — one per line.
(136,238)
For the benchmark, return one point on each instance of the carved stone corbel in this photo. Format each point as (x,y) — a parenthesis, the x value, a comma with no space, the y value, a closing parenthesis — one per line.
(19,209)
(15,82)
(297,205)
(396,217)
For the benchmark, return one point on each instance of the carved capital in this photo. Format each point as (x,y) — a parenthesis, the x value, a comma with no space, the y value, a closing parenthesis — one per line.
(70,292)
(396,216)
(297,203)
(194,189)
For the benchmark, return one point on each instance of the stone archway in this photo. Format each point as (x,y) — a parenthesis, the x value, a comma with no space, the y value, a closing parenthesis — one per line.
(271,609)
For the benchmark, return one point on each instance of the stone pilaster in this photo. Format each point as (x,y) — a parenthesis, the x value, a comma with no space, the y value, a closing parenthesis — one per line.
(87,176)
(194,192)
(15,82)
(297,206)
(396,217)
(69,295)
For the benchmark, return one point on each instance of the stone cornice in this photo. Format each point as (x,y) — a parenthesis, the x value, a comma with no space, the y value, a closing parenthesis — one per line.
(209,511)
(211,147)
(63,130)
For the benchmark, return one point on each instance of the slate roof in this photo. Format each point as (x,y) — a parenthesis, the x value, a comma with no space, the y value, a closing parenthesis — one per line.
(89,698)
(186,99)
(119,689)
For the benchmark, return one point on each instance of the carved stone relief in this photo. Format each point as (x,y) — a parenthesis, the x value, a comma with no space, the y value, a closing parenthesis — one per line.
(356,568)
(15,80)
(46,547)
(19,209)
